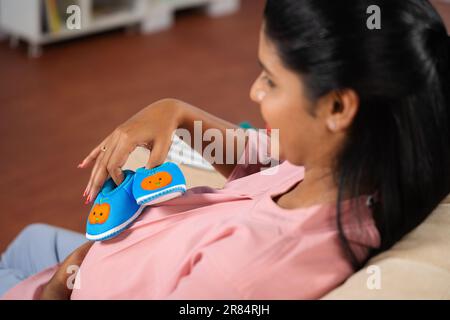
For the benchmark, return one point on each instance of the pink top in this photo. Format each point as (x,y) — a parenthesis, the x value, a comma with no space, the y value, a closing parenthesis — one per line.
(230,243)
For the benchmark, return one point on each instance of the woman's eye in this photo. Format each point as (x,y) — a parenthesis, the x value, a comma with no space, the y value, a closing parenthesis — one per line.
(269,82)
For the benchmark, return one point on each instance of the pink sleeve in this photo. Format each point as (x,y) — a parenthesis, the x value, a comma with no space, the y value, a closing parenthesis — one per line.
(255,156)
(204,282)
(30,288)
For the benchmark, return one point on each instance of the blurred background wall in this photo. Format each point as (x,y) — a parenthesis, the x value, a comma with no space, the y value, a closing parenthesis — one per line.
(56,107)
(58,101)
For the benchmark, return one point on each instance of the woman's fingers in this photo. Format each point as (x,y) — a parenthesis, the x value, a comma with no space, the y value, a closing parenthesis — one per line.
(98,179)
(91,157)
(118,158)
(158,154)
(91,178)
(103,147)
(100,172)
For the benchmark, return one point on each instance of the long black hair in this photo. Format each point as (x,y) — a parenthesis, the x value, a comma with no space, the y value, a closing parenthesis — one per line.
(399,142)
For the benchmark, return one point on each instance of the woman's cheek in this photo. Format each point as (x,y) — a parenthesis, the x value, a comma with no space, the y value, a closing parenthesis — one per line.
(269,111)
(263,110)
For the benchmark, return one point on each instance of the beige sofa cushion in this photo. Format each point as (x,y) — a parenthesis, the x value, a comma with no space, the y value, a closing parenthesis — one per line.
(417,267)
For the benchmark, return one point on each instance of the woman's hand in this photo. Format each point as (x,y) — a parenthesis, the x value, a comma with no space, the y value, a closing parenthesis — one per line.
(58,288)
(153,127)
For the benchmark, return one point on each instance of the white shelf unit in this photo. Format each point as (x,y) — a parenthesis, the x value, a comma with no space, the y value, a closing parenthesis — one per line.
(23,19)
(161,13)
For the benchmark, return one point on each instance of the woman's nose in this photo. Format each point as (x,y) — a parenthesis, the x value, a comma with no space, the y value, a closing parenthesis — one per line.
(257,94)
(260,95)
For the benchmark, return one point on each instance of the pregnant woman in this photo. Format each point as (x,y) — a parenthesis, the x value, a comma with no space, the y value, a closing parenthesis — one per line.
(364,133)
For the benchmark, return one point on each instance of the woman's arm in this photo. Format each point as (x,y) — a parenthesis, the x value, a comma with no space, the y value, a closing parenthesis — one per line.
(58,288)
(209,121)
(153,126)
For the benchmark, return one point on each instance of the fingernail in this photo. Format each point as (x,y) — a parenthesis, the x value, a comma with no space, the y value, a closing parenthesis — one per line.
(87,201)
(86,191)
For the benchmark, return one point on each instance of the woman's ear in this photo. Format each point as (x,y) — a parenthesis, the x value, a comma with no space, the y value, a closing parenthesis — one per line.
(341,110)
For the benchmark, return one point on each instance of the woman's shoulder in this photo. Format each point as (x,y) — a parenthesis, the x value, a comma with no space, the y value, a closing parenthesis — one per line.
(266,179)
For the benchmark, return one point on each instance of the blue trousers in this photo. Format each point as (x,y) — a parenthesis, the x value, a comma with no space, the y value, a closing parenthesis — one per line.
(36,248)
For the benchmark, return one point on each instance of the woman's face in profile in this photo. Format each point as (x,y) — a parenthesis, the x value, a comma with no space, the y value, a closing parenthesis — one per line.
(281,95)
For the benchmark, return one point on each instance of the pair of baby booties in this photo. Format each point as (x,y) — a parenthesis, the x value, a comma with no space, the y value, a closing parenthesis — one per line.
(116,207)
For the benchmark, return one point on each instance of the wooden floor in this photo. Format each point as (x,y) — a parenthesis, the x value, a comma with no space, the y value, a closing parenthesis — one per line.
(54,109)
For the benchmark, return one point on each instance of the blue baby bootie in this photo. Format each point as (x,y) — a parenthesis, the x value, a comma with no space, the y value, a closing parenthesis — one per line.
(159,184)
(113,210)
